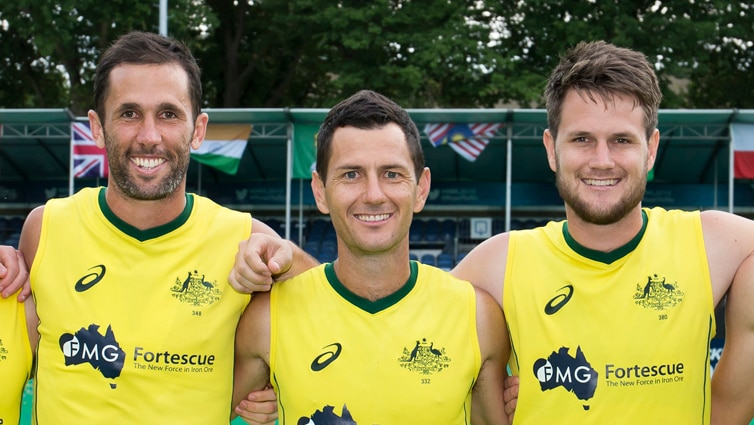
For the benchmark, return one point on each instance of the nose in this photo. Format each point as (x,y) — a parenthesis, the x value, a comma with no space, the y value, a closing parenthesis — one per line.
(602,155)
(373,192)
(148,131)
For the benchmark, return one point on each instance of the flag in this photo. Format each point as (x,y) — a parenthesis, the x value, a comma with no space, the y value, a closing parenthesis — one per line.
(468,140)
(223,146)
(88,159)
(304,150)
(742,141)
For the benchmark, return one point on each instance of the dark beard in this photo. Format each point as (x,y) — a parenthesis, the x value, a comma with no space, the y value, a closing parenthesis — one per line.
(603,216)
(119,174)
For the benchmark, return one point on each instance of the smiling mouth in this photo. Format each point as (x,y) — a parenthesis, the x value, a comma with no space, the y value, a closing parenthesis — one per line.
(594,182)
(372,217)
(147,163)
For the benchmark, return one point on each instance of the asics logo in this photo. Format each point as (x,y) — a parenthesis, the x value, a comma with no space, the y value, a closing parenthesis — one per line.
(558,301)
(323,360)
(91,279)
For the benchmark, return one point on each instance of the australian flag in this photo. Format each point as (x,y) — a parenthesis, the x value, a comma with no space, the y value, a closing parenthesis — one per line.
(88,159)
(468,140)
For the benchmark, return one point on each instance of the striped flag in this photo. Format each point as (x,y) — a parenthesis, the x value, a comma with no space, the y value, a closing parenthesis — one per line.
(742,140)
(468,140)
(223,146)
(88,159)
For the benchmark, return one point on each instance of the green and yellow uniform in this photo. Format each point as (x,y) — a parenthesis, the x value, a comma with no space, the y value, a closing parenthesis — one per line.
(135,326)
(618,338)
(15,359)
(412,357)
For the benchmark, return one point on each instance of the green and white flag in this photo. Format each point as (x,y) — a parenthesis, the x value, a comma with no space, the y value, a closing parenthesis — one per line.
(223,146)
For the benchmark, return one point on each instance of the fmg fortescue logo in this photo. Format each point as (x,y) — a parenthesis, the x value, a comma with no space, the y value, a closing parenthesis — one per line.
(87,345)
(573,373)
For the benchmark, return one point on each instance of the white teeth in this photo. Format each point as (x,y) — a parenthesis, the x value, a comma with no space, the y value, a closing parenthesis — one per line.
(378,217)
(593,182)
(147,163)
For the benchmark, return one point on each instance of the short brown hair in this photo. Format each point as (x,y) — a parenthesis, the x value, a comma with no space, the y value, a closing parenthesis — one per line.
(600,68)
(145,48)
(367,110)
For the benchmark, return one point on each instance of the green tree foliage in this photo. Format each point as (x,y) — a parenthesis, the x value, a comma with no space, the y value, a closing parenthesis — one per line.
(422,53)
(50,47)
(315,52)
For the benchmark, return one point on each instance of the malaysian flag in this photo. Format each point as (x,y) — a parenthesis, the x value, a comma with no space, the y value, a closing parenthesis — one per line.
(468,140)
(88,159)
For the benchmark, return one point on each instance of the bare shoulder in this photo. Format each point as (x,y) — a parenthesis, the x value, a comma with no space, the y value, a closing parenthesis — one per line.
(29,240)
(258,226)
(726,233)
(484,266)
(715,221)
(728,241)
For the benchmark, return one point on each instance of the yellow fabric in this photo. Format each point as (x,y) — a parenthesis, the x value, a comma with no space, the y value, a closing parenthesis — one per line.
(414,359)
(623,343)
(136,327)
(15,359)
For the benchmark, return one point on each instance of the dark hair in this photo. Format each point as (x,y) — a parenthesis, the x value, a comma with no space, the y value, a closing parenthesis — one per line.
(144,48)
(367,110)
(600,68)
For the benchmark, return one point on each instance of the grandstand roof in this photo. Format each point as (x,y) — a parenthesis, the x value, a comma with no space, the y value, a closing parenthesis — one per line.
(694,145)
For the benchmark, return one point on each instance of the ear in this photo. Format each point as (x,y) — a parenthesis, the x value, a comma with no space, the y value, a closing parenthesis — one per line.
(96,126)
(422,189)
(549,143)
(200,130)
(654,143)
(318,189)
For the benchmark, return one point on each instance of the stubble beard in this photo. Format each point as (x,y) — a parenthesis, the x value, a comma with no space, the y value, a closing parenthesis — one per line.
(601,214)
(119,165)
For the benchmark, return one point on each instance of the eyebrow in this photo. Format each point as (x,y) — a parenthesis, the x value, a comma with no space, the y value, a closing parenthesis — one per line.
(164,106)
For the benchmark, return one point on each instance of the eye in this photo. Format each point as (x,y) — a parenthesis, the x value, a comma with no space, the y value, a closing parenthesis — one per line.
(129,114)
(169,114)
(350,175)
(392,175)
(622,141)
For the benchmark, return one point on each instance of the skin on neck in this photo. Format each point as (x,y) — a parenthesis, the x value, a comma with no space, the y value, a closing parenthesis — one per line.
(604,237)
(373,276)
(146,214)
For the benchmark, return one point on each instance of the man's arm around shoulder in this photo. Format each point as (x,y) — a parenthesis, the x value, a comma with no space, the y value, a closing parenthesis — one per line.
(251,371)
(487,396)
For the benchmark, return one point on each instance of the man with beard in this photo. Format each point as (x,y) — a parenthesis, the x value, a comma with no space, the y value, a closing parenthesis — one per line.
(136,317)
(610,312)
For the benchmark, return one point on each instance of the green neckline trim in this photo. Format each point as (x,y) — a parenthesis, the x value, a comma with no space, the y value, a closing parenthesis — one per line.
(606,257)
(368,305)
(143,235)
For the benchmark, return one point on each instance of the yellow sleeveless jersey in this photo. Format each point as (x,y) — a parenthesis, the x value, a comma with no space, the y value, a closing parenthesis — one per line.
(618,338)
(15,359)
(136,327)
(337,358)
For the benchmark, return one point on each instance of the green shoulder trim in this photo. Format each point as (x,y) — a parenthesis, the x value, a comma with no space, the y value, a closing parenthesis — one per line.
(606,257)
(143,235)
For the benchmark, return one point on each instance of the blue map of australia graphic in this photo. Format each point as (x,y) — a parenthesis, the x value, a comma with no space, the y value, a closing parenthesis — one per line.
(573,373)
(102,352)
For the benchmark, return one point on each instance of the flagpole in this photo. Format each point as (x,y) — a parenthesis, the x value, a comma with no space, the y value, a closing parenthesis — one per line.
(288,179)
(508,176)
(164,17)
(199,179)
(731,151)
(70,162)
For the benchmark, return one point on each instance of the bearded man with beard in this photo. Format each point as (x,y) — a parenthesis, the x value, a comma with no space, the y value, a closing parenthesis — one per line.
(135,315)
